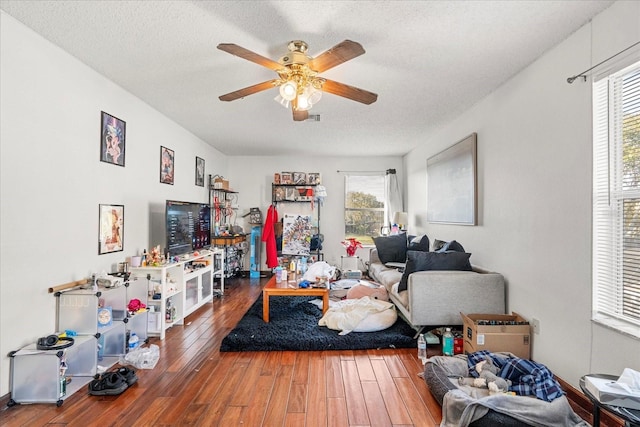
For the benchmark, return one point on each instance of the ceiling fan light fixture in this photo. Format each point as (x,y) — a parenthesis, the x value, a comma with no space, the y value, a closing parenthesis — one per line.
(289,90)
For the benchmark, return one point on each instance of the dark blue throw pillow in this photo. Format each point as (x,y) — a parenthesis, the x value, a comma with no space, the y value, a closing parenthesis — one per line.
(418,243)
(451,246)
(424,261)
(391,248)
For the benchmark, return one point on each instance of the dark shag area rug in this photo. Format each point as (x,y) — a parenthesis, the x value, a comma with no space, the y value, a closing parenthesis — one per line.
(293,325)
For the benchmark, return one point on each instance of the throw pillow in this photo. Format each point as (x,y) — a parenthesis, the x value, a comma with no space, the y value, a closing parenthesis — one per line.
(391,248)
(440,246)
(424,261)
(418,243)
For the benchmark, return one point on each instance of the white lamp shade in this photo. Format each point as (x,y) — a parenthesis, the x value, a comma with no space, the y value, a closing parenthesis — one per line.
(280,100)
(400,218)
(289,90)
(303,102)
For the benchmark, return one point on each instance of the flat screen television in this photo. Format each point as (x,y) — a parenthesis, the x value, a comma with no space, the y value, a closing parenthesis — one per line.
(188,226)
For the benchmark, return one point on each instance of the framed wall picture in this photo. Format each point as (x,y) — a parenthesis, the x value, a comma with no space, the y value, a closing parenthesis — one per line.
(313,178)
(111,229)
(112,139)
(199,172)
(166,165)
(299,178)
(452,189)
(286,178)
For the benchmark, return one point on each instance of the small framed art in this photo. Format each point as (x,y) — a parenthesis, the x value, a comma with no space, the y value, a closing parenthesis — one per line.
(299,178)
(112,139)
(167,165)
(199,172)
(111,232)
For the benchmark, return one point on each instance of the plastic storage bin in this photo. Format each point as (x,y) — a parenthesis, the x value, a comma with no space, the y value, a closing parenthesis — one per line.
(38,376)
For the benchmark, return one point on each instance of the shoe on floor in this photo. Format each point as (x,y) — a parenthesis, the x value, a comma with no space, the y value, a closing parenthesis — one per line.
(110,384)
(128,374)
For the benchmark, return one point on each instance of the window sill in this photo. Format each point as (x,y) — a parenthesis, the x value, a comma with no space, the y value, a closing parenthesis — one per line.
(625,328)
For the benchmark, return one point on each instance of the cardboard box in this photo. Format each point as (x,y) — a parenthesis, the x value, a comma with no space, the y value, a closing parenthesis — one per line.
(497,332)
(602,390)
(220,184)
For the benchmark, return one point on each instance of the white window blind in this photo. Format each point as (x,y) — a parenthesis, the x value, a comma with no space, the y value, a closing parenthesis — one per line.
(616,200)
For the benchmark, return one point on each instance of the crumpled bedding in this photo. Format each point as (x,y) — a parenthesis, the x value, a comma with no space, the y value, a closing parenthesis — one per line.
(364,314)
(465,405)
(528,378)
(459,410)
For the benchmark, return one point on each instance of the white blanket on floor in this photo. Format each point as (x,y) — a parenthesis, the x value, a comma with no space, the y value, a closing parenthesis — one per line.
(346,315)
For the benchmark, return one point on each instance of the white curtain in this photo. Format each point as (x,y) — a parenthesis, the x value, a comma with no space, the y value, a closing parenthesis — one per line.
(392,196)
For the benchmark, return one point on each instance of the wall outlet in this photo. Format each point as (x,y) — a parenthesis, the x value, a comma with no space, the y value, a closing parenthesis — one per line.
(536,326)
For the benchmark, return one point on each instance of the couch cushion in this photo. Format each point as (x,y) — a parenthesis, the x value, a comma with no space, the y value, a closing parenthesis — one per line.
(423,261)
(418,243)
(384,275)
(391,248)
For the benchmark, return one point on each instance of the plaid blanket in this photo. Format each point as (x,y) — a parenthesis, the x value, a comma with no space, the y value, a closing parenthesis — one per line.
(528,378)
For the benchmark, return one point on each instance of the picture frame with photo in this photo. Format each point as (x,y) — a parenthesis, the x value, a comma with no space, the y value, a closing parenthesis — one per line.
(299,178)
(291,194)
(111,228)
(167,159)
(112,139)
(199,172)
(313,178)
(278,194)
(286,178)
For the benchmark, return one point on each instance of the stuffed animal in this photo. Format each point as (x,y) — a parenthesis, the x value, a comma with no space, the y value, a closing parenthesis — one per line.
(369,290)
(488,378)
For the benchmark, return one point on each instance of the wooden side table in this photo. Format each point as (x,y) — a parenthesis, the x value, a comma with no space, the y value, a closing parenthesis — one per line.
(631,417)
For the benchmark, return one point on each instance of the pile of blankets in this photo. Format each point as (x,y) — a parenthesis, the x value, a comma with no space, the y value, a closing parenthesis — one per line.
(528,378)
(539,399)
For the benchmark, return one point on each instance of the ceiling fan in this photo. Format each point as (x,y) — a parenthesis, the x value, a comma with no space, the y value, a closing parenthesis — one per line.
(300,86)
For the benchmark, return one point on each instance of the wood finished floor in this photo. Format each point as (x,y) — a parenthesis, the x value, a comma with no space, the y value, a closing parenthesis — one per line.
(194,384)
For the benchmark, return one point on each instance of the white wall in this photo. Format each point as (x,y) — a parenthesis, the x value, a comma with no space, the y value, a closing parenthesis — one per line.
(52,180)
(534,173)
(252,176)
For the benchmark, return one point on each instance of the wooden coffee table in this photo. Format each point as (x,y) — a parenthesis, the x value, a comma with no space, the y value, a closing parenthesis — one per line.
(290,289)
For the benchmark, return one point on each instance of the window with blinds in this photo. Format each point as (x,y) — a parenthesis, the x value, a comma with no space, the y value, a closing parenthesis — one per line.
(616,200)
(363,207)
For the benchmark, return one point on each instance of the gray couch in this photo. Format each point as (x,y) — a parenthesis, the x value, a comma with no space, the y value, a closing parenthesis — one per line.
(436,298)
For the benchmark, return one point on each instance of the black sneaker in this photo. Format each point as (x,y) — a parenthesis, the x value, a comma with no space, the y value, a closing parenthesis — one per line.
(110,384)
(128,374)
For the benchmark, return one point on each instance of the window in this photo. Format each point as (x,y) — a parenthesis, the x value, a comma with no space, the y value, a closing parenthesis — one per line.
(363,207)
(616,200)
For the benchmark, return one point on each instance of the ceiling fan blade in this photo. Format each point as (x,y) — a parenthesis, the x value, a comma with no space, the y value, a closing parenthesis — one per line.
(300,115)
(351,92)
(241,93)
(243,53)
(338,54)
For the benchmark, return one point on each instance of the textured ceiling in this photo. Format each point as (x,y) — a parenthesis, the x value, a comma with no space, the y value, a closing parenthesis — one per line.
(428,61)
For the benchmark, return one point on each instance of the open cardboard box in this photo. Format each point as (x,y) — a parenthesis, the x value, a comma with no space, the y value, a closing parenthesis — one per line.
(497,332)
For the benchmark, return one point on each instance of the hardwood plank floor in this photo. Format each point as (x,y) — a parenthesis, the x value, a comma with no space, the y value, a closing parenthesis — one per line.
(194,384)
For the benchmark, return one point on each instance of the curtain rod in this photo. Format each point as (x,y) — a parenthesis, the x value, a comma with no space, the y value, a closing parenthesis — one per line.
(388,171)
(582,74)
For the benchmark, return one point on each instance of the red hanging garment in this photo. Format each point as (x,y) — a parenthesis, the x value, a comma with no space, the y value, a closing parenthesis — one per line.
(269,236)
